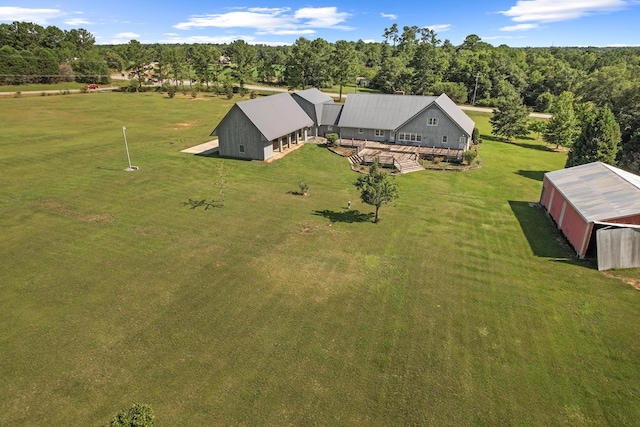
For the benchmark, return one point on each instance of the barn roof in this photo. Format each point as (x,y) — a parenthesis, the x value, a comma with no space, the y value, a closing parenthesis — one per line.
(389,112)
(598,191)
(275,115)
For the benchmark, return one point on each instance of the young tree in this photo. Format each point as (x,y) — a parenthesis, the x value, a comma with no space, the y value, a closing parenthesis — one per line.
(509,120)
(598,141)
(375,188)
(562,129)
(537,127)
(138,415)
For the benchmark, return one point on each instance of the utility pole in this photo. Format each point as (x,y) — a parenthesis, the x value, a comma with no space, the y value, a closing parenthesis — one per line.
(475,89)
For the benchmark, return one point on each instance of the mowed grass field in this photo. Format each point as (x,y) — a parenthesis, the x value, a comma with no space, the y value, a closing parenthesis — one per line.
(463,306)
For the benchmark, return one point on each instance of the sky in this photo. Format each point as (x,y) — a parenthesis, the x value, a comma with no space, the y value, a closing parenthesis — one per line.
(516,23)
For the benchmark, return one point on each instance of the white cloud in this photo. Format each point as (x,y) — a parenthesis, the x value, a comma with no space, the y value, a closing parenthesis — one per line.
(501,37)
(622,45)
(300,32)
(74,22)
(389,16)
(37,16)
(177,39)
(321,17)
(439,28)
(559,10)
(128,36)
(270,20)
(519,27)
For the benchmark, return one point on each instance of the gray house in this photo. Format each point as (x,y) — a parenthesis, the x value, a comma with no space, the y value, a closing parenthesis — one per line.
(259,128)
(313,102)
(428,121)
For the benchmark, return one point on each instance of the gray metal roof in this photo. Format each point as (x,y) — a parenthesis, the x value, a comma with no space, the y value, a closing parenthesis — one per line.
(455,113)
(275,115)
(598,191)
(331,114)
(314,96)
(378,111)
(389,112)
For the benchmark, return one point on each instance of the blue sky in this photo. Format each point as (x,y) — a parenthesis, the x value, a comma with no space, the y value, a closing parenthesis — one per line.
(275,22)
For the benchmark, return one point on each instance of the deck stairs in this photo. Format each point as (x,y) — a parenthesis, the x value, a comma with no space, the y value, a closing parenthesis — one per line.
(408,165)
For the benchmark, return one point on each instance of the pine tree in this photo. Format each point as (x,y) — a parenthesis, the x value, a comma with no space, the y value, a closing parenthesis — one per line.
(562,129)
(598,141)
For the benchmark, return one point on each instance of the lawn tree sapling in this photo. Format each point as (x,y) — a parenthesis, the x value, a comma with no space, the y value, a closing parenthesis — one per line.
(375,188)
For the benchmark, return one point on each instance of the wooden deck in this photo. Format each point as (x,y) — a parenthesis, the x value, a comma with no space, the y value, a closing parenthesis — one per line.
(403,152)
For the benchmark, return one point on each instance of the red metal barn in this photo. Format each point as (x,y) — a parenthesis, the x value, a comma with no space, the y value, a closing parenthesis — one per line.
(584,198)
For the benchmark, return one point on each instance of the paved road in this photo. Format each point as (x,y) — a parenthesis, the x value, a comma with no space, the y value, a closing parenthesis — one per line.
(250,87)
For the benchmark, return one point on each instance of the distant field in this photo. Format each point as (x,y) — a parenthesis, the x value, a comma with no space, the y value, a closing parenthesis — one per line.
(463,307)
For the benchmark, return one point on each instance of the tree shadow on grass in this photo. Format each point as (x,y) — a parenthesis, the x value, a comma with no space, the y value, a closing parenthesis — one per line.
(535,175)
(539,147)
(348,216)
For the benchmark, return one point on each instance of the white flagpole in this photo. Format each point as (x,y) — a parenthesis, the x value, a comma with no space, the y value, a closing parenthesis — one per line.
(124,134)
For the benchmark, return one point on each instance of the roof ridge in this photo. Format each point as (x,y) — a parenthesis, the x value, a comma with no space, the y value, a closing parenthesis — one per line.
(629,177)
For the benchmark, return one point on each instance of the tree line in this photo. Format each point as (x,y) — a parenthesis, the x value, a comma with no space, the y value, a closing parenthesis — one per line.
(411,60)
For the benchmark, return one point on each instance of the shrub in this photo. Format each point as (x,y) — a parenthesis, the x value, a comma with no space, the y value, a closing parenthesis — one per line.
(171,91)
(303,186)
(253,94)
(194,94)
(332,139)
(475,136)
(469,156)
(138,415)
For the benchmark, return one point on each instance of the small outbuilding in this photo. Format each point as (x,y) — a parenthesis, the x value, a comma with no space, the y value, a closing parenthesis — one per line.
(590,204)
(258,128)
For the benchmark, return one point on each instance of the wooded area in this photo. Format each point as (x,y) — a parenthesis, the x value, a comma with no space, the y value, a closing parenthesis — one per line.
(574,83)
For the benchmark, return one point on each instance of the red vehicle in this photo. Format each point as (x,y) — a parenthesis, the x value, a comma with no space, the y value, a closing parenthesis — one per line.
(92,86)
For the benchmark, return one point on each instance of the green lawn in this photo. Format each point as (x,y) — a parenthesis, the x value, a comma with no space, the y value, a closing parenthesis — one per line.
(463,306)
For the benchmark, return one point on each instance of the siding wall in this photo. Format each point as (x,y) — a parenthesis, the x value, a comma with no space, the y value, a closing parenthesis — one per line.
(635,220)
(575,228)
(618,248)
(567,219)
(310,109)
(236,130)
(368,134)
(431,135)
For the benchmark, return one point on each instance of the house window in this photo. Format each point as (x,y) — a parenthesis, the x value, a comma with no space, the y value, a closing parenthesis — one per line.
(360,130)
(379,132)
(432,121)
(241,148)
(463,140)
(445,139)
(329,128)
(408,136)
